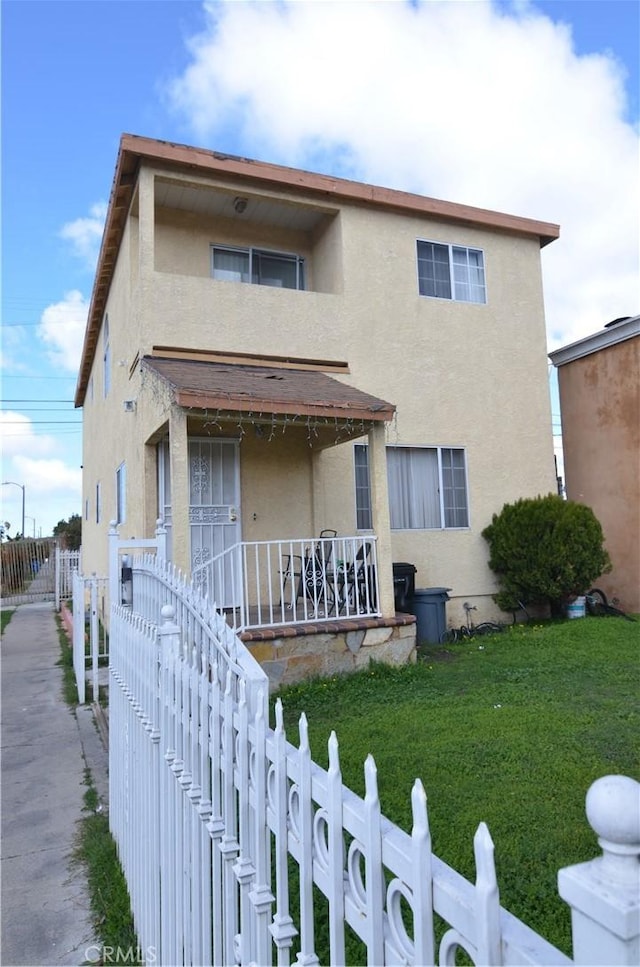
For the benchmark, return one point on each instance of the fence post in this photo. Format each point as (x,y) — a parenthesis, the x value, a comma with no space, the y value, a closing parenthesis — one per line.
(604,894)
(168,857)
(58,577)
(93,635)
(161,538)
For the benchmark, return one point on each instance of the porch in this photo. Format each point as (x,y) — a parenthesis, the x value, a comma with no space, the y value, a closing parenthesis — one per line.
(253,451)
(308,607)
(303,608)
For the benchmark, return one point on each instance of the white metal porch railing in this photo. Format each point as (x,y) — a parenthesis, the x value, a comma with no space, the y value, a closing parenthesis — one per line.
(262,584)
(210,807)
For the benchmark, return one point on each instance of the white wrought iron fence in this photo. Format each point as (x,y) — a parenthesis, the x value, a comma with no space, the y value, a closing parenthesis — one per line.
(262,584)
(90,635)
(210,807)
(67,564)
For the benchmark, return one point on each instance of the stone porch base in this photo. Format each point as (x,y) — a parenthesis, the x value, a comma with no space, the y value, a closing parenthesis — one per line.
(292,653)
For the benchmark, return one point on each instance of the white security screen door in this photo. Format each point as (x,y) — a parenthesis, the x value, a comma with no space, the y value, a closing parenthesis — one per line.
(214,517)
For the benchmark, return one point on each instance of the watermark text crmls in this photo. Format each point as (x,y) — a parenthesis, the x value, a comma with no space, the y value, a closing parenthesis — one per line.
(105,954)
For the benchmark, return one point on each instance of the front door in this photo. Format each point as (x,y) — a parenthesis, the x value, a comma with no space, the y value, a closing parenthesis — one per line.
(214,518)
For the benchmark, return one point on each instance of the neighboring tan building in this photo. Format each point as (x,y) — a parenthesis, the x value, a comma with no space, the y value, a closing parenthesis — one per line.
(599,383)
(279,328)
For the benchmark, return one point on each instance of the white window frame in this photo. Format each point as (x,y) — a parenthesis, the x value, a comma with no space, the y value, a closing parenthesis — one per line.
(363,495)
(462,286)
(362,485)
(121,494)
(253,256)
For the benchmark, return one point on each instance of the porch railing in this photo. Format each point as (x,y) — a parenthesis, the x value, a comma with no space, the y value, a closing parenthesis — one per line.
(262,584)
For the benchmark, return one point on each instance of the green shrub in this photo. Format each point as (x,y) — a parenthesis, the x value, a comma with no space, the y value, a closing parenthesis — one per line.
(545,550)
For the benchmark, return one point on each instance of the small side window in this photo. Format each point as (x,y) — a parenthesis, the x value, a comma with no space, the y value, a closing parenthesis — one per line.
(121,494)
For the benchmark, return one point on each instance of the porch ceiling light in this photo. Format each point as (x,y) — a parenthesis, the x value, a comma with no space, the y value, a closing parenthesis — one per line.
(239,205)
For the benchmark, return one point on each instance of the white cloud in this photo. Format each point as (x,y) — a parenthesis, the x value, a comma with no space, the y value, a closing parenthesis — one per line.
(85,234)
(62,327)
(463,101)
(53,491)
(19,436)
(13,341)
(44,477)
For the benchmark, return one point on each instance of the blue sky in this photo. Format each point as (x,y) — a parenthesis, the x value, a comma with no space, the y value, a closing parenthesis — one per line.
(526,107)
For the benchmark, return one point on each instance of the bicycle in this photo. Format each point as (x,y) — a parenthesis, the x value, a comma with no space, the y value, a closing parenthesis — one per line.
(469,630)
(599,607)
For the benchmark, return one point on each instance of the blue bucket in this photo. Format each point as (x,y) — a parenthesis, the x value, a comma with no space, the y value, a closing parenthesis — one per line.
(577,608)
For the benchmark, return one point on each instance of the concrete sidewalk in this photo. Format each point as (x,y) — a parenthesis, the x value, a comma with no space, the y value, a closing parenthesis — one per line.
(46,747)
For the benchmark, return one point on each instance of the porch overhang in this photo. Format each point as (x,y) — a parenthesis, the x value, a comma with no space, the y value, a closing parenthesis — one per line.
(270,395)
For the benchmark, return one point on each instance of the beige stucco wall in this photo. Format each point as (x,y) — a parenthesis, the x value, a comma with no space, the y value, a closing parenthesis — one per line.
(600,404)
(461,375)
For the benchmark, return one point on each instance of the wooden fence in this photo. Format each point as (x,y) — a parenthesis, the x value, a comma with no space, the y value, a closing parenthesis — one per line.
(230,836)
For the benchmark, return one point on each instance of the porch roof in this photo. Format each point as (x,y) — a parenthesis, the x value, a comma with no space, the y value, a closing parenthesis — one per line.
(266,392)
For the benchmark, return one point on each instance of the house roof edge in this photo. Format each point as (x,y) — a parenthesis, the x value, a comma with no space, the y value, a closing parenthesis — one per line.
(626,329)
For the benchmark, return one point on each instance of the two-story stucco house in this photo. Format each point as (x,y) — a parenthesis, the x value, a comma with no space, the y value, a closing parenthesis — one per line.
(272,353)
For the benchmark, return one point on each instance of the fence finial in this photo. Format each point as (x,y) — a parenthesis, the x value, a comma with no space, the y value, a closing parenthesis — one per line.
(167,613)
(604,894)
(613,811)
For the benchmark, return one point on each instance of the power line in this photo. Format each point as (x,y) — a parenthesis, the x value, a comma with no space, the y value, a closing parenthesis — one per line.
(40,422)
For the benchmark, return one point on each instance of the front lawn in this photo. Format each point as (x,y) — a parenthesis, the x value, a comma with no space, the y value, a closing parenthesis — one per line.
(511,729)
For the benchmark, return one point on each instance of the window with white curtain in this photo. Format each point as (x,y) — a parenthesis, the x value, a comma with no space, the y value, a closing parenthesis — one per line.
(451,272)
(257,266)
(427,487)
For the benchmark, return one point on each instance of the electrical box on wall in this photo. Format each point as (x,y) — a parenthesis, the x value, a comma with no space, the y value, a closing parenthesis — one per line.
(129,406)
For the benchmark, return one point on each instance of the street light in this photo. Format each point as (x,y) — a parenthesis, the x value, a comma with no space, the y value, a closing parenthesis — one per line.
(12,483)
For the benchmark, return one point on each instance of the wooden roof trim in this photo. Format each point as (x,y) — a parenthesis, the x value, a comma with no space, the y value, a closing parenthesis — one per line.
(251,359)
(282,177)
(201,401)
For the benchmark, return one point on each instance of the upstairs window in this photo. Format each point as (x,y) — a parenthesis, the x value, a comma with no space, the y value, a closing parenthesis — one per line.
(257,266)
(427,487)
(451,272)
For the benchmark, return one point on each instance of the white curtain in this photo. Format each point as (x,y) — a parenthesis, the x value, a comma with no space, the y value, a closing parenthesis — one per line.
(414,496)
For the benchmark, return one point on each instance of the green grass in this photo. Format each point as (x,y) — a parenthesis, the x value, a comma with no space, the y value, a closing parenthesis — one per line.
(510,729)
(96,849)
(110,904)
(69,686)
(5,618)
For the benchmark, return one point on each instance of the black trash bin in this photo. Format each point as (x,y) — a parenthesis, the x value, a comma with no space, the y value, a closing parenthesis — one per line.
(404,585)
(429,607)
